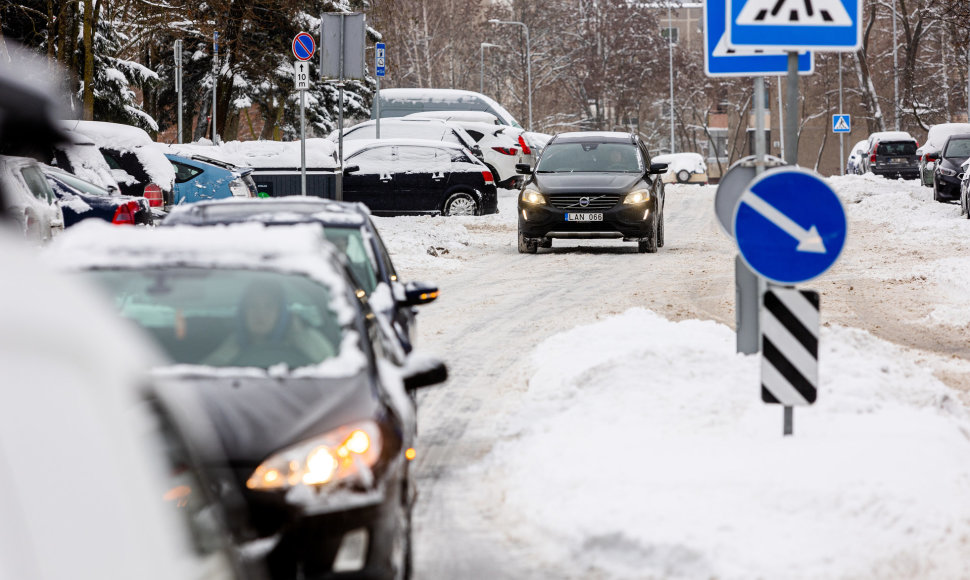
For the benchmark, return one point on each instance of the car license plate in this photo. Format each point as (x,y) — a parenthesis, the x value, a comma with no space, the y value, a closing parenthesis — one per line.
(898,160)
(584,217)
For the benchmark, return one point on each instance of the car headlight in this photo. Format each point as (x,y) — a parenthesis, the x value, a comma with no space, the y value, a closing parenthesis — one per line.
(638,196)
(346,453)
(534,197)
(947,172)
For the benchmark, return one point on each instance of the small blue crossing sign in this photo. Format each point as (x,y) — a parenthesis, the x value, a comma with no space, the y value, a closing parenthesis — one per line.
(721,60)
(304,46)
(380,59)
(795,25)
(790,226)
(841,123)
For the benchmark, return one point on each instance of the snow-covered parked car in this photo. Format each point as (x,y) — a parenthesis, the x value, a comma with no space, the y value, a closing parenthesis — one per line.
(276,165)
(853,165)
(929,152)
(401,102)
(136,163)
(81,200)
(82,157)
(312,401)
(415,176)
(199,178)
(28,199)
(683,167)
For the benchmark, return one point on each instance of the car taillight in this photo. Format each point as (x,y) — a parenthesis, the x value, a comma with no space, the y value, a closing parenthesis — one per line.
(153,194)
(506,150)
(238,188)
(489,180)
(525,148)
(872,159)
(125,214)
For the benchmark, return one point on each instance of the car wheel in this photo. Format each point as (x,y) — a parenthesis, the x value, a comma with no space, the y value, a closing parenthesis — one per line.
(527,245)
(936,191)
(462,204)
(403,557)
(660,232)
(683,176)
(648,245)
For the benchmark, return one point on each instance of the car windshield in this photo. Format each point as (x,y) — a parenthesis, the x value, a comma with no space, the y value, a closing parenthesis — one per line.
(897,148)
(590,157)
(228,317)
(79,184)
(363,264)
(957,149)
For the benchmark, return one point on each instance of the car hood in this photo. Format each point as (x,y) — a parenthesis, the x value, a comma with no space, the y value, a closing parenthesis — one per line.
(249,418)
(553,183)
(954,163)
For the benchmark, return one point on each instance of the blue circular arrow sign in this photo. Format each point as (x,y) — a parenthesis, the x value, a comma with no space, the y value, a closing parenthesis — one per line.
(790,225)
(304,46)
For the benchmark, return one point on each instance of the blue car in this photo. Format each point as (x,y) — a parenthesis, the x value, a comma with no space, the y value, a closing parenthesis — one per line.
(199,178)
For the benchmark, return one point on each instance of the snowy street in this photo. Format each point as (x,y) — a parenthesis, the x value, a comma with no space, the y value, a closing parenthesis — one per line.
(571,442)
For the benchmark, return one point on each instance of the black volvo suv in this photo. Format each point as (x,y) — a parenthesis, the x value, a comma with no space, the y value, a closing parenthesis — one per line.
(592,185)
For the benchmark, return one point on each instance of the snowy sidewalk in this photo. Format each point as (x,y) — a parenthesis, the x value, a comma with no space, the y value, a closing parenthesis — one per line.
(642,450)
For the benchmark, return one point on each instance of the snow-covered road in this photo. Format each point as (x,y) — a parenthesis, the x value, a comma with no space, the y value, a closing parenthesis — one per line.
(903,277)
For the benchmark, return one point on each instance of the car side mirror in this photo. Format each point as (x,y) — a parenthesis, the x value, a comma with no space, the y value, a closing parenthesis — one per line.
(351,169)
(658,168)
(423,371)
(523,169)
(417,293)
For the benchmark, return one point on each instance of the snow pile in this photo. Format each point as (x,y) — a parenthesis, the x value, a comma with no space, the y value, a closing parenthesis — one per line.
(128,139)
(642,450)
(320,153)
(954,275)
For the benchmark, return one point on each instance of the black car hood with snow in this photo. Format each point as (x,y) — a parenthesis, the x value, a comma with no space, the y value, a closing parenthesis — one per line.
(253,417)
(553,183)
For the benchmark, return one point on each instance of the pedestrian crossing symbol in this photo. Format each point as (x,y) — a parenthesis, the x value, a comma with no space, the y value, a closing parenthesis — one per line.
(841,124)
(795,25)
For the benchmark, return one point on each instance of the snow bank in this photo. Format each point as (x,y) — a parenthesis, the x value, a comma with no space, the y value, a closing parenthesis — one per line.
(642,449)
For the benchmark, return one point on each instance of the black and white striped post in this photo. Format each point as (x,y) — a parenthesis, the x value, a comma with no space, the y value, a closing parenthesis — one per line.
(789,349)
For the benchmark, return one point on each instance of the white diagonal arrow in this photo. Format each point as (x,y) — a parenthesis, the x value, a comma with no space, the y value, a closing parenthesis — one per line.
(808,240)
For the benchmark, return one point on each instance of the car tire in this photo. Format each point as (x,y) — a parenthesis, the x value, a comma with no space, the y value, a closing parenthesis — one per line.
(660,232)
(649,245)
(527,245)
(936,191)
(463,204)
(683,176)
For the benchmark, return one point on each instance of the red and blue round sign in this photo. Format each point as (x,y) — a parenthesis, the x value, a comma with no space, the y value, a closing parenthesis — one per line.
(304,46)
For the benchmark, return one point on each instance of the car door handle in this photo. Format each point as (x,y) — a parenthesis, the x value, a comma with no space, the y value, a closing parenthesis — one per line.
(385,177)
(438,176)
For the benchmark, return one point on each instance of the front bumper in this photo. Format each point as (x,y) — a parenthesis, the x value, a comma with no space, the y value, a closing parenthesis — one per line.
(947,186)
(634,221)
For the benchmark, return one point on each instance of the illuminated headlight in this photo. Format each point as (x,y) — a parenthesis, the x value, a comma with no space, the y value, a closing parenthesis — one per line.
(947,172)
(346,453)
(534,197)
(238,188)
(638,196)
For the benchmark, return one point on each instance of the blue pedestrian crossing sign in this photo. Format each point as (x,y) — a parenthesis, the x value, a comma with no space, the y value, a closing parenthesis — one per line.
(721,60)
(795,25)
(790,226)
(380,59)
(841,123)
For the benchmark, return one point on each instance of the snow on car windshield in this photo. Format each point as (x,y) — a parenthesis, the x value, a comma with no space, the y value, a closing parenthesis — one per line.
(228,317)
(590,157)
(957,149)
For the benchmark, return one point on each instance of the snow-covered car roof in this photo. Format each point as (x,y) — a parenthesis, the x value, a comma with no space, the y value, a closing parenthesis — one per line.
(320,154)
(938,134)
(464,116)
(891,136)
(282,209)
(351,147)
(860,145)
(594,135)
(444,96)
(126,138)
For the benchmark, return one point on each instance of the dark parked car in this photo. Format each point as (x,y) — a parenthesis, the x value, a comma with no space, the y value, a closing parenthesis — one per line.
(948,173)
(80,200)
(312,401)
(894,158)
(403,176)
(347,226)
(593,185)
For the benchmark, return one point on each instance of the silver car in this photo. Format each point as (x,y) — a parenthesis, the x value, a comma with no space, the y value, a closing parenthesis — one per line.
(28,199)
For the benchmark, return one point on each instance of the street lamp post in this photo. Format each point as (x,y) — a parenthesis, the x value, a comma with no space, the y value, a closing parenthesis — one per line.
(670,50)
(528,59)
(481,74)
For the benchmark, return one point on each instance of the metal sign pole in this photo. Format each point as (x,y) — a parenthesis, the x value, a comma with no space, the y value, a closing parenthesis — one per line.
(791,119)
(178,84)
(841,135)
(377,106)
(303,142)
(340,107)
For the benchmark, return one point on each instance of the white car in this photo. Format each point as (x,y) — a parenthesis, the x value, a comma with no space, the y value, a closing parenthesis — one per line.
(853,166)
(28,199)
(683,167)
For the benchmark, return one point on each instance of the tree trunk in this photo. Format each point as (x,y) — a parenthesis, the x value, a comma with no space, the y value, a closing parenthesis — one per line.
(88,94)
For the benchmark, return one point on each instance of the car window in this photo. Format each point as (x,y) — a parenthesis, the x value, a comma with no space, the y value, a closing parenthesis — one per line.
(37,184)
(228,317)
(476,135)
(111,159)
(127,161)
(79,184)
(363,264)
(375,159)
(415,155)
(957,148)
(185,172)
(590,157)
(897,148)
(452,155)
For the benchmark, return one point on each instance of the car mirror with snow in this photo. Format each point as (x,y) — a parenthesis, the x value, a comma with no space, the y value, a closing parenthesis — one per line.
(351,168)
(523,168)
(658,168)
(417,293)
(423,371)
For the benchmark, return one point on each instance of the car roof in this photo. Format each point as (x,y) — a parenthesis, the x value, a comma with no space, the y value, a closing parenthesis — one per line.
(593,136)
(290,209)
